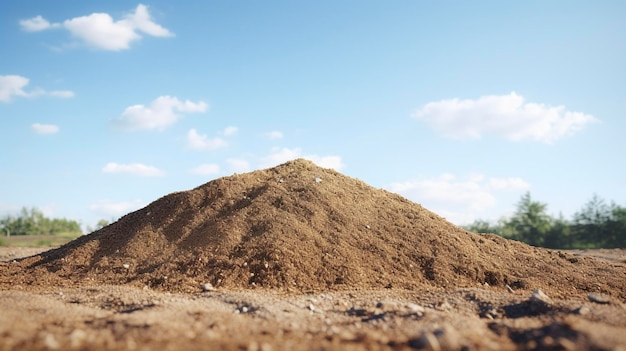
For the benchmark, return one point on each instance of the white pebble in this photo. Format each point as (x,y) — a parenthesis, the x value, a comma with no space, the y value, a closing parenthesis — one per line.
(207,287)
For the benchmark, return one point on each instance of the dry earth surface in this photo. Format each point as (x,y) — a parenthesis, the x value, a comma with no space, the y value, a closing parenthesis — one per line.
(299,257)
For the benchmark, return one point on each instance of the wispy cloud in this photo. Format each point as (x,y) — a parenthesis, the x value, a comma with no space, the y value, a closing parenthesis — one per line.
(12,86)
(506,116)
(206,169)
(134,169)
(199,141)
(37,24)
(460,200)
(162,112)
(100,31)
(45,128)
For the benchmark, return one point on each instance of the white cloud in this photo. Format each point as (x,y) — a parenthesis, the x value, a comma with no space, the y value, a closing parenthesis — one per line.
(45,128)
(108,208)
(100,31)
(13,86)
(206,169)
(162,112)
(459,200)
(507,116)
(141,20)
(274,135)
(228,131)
(134,168)
(198,141)
(36,24)
(238,165)
(282,155)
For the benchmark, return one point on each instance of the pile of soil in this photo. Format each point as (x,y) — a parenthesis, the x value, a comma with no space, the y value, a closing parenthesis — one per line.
(298,227)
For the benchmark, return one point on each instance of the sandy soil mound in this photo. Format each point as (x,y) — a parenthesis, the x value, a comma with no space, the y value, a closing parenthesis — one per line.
(299,227)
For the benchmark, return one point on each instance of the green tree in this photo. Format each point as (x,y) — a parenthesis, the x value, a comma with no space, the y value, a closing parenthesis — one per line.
(617,226)
(481,226)
(101,224)
(590,223)
(530,223)
(559,236)
(32,222)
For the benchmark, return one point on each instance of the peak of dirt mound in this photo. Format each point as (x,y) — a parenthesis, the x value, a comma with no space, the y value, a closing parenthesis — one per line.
(299,227)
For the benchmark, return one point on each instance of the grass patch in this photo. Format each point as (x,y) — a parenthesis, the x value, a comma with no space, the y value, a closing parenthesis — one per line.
(39,240)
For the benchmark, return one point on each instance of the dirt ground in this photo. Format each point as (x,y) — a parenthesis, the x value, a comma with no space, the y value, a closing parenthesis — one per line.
(109,317)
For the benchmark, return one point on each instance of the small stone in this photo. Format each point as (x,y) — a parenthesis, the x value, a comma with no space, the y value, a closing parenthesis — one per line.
(207,287)
(415,308)
(253,346)
(582,310)
(51,342)
(599,298)
(126,265)
(540,302)
(367,226)
(444,306)
(318,180)
(539,296)
(311,307)
(77,336)
(566,344)
(426,341)
(448,338)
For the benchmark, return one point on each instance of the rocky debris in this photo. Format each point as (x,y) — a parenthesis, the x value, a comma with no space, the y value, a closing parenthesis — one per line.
(207,287)
(554,336)
(599,298)
(444,338)
(539,302)
(582,310)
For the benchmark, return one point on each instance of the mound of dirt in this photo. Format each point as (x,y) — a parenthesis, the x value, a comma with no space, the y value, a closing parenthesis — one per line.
(299,227)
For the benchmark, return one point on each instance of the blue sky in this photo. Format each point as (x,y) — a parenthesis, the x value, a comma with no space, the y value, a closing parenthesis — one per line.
(459,106)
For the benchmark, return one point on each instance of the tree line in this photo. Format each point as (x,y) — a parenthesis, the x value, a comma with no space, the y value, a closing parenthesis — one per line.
(33,222)
(597,225)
